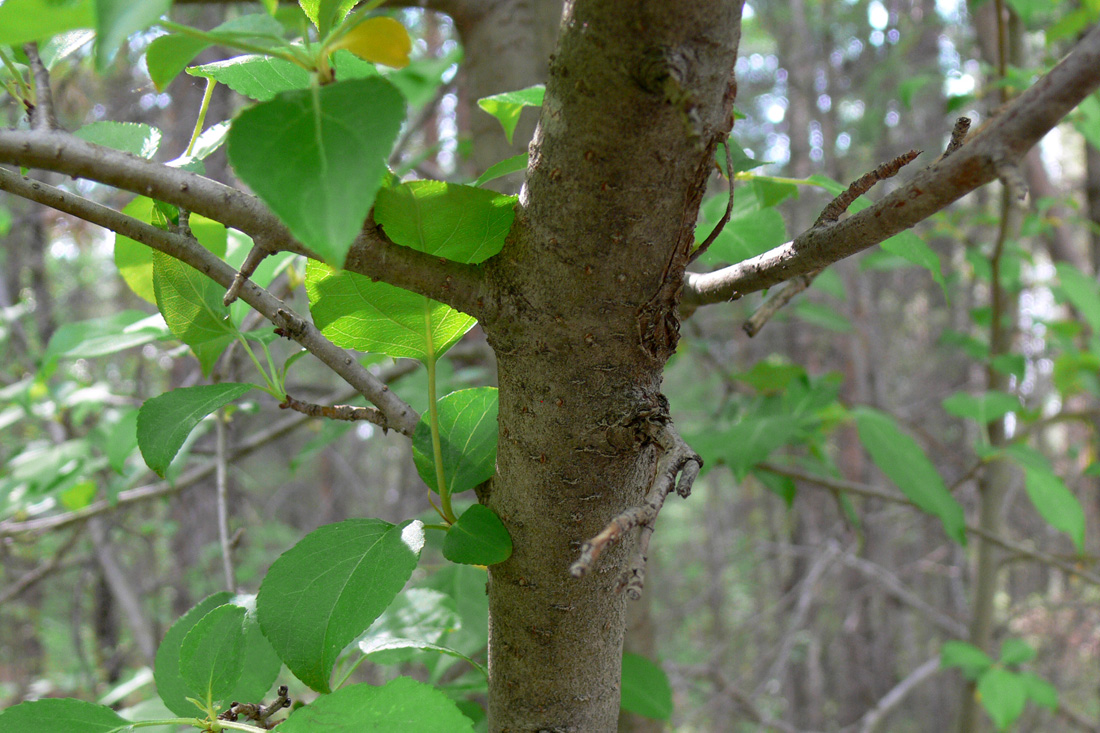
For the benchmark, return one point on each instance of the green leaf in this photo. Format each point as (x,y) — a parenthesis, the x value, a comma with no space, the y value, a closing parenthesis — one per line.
(61,714)
(899,457)
(210,655)
(400,706)
(770,375)
(983,408)
(256,77)
(908,245)
(122,440)
(168,55)
(260,666)
(645,686)
(506,107)
(166,669)
(356,313)
(461,223)
(103,336)
(130,137)
(193,309)
(164,422)
(416,621)
(135,260)
(117,19)
(1056,504)
(1003,696)
(325,591)
(326,13)
(468,437)
(503,168)
(970,659)
(1039,691)
(35,20)
(78,495)
(317,157)
(477,538)
(1082,291)
(63,45)
(1016,651)
(746,235)
(753,439)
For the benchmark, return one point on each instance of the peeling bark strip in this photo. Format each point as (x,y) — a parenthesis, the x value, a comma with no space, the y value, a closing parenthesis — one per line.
(638,97)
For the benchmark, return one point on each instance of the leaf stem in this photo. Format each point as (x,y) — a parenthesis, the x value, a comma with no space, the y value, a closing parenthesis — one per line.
(210,84)
(24,91)
(271,389)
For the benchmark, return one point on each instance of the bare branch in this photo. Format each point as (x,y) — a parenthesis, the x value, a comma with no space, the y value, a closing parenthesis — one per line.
(399,415)
(677,459)
(255,256)
(725,217)
(1005,140)
(871,720)
(29,579)
(350,413)
(850,487)
(42,114)
(372,254)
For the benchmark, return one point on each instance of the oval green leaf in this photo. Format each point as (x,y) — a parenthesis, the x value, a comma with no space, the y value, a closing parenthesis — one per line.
(359,314)
(317,157)
(61,714)
(899,457)
(164,422)
(1003,696)
(1056,504)
(506,107)
(646,690)
(399,706)
(468,434)
(192,306)
(166,669)
(477,538)
(325,591)
(211,658)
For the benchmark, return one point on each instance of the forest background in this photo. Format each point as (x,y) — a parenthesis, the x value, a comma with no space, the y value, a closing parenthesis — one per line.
(797,589)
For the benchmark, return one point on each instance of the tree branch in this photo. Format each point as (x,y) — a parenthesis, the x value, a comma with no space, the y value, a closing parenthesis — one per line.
(399,415)
(1004,141)
(373,254)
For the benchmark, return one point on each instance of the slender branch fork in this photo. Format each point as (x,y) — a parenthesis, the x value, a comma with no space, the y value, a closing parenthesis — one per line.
(372,254)
(398,415)
(1004,141)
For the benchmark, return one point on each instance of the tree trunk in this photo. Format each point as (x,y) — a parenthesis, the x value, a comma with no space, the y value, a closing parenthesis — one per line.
(637,99)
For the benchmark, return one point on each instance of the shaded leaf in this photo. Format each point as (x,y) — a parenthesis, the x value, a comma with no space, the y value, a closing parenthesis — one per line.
(61,714)
(321,594)
(117,19)
(477,538)
(468,437)
(983,408)
(35,20)
(967,657)
(193,309)
(645,688)
(503,168)
(899,457)
(164,422)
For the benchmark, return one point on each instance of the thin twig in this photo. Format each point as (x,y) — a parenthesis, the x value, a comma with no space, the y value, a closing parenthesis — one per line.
(725,217)
(1007,137)
(871,720)
(42,113)
(831,213)
(958,136)
(255,256)
(221,482)
(850,487)
(350,413)
(29,579)
(400,415)
(677,458)
(372,254)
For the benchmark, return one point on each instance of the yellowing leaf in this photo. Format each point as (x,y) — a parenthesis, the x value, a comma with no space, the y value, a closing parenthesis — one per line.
(380,40)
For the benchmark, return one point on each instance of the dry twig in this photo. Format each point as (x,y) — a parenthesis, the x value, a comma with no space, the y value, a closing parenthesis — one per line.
(677,458)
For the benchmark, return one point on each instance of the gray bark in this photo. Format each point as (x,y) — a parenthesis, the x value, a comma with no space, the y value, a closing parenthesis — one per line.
(585,290)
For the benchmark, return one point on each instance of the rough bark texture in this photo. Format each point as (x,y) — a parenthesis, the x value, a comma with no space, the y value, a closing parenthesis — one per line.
(586,290)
